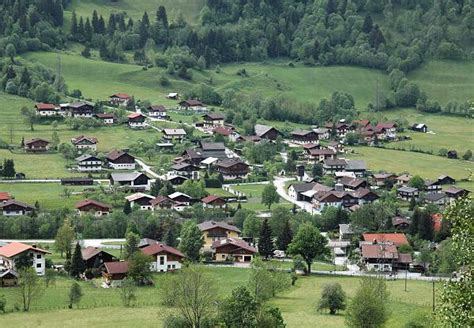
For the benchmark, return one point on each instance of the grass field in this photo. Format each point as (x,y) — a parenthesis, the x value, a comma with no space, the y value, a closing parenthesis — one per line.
(427,166)
(102,307)
(444,80)
(254,197)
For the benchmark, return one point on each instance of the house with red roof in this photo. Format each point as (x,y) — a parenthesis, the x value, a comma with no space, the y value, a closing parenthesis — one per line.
(136,121)
(386,130)
(118,99)
(10,252)
(397,239)
(4,196)
(90,206)
(232,249)
(165,258)
(47,110)
(213,201)
(114,273)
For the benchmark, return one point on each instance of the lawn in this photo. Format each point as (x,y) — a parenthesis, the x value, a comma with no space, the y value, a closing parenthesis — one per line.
(445,80)
(427,166)
(297,304)
(254,197)
(48,195)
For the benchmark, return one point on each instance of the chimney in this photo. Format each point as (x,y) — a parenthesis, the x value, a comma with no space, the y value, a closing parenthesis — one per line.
(339,187)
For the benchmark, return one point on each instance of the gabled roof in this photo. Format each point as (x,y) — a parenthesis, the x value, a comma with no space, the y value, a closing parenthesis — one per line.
(174,132)
(158,248)
(362,192)
(138,195)
(120,95)
(86,157)
(36,140)
(92,202)
(206,146)
(183,165)
(160,199)
(177,194)
(105,115)
(90,251)
(335,162)
(208,225)
(223,131)
(396,238)
(116,267)
(77,140)
(192,102)
(226,163)
(17,203)
(157,108)
(317,152)
(126,176)
(407,189)
(455,190)
(116,153)
(301,132)
(43,106)
(356,165)
(135,115)
(79,104)
(379,251)
(345,229)
(385,125)
(15,248)
(261,130)
(434,197)
(239,243)
(214,116)
(302,187)
(211,198)
(397,220)
(351,182)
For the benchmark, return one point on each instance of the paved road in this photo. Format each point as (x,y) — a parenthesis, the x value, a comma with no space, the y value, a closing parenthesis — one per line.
(147,169)
(280,186)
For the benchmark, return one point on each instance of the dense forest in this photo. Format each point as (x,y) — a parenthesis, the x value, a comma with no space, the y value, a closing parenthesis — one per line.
(392,35)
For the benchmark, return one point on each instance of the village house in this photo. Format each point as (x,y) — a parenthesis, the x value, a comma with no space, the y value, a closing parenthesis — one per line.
(345,231)
(213,120)
(83,142)
(11,251)
(309,146)
(212,149)
(171,135)
(192,156)
(136,121)
(192,104)
(90,206)
(333,198)
(36,145)
(157,111)
(407,193)
(232,249)
(226,132)
(106,118)
(419,127)
(140,201)
(82,109)
(94,257)
(266,132)
(47,110)
(303,137)
(384,257)
(119,99)
(384,179)
(446,180)
(398,239)
(77,181)
(186,170)
(165,258)
(358,125)
(180,200)
(340,129)
(337,146)
(453,193)
(213,201)
(400,223)
(162,202)
(386,130)
(14,207)
(175,180)
(364,196)
(403,180)
(88,163)
(251,139)
(217,230)
(306,191)
(173,95)
(432,186)
(120,160)
(319,155)
(356,166)
(131,180)
(331,166)
(114,273)
(232,169)
(350,183)
(322,133)
(437,198)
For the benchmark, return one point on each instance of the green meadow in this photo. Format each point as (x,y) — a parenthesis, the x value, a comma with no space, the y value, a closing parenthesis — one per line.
(102,307)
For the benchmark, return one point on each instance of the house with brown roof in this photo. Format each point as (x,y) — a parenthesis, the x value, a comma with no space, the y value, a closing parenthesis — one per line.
(37,145)
(386,130)
(90,206)
(319,155)
(384,257)
(114,273)
(13,207)
(400,223)
(453,193)
(266,132)
(88,163)
(157,111)
(82,109)
(341,128)
(432,186)
(11,251)
(106,118)
(213,120)
(217,230)
(165,258)
(120,160)
(83,142)
(186,170)
(232,169)
(226,132)
(130,180)
(136,121)
(171,135)
(119,99)
(350,183)
(364,196)
(382,179)
(94,257)
(47,110)
(332,166)
(140,201)
(162,202)
(192,104)
(333,198)
(232,249)
(213,201)
(304,136)
(407,193)
(403,180)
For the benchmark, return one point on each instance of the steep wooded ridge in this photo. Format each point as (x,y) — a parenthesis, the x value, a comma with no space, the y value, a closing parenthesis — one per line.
(396,36)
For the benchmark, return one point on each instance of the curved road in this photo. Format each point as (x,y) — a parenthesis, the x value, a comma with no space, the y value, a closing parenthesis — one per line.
(279,183)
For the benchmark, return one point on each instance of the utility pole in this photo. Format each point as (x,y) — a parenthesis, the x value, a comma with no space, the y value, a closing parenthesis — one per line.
(434,298)
(406,278)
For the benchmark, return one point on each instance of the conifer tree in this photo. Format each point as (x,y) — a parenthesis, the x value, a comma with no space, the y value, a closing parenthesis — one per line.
(265,242)
(285,237)
(77,263)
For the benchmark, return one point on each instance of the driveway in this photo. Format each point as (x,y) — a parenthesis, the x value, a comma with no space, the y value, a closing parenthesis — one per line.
(279,183)
(147,169)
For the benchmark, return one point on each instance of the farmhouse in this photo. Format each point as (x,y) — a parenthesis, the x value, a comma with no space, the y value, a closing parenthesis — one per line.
(37,145)
(356,166)
(387,130)
(400,223)
(333,198)
(331,166)
(94,257)
(140,201)
(364,196)
(162,202)
(157,111)
(382,179)
(171,135)
(8,278)
(83,142)
(323,133)
(407,193)
(175,180)
(403,179)
(420,127)
(120,160)
(225,132)
(266,132)
(397,239)
(90,206)
(14,207)
(10,252)
(432,186)
(165,258)
(340,129)
(114,273)
(119,99)
(384,257)
(350,183)
(79,109)
(212,149)
(192,104)
(306,191)
(232,249)
(132,180)
(186,170)
(304,137)
(88,163)
(319,155)
(446,180)
(232,169)
(192,156)
(47,110)
(136,121)
(106,118)
(454,193)
(180,199)
(213,201)
(217,230)
(435,198)
(213,120)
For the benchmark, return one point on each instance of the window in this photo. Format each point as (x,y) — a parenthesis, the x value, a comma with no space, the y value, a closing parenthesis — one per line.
(162,260)
(38,265)
(38,256)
